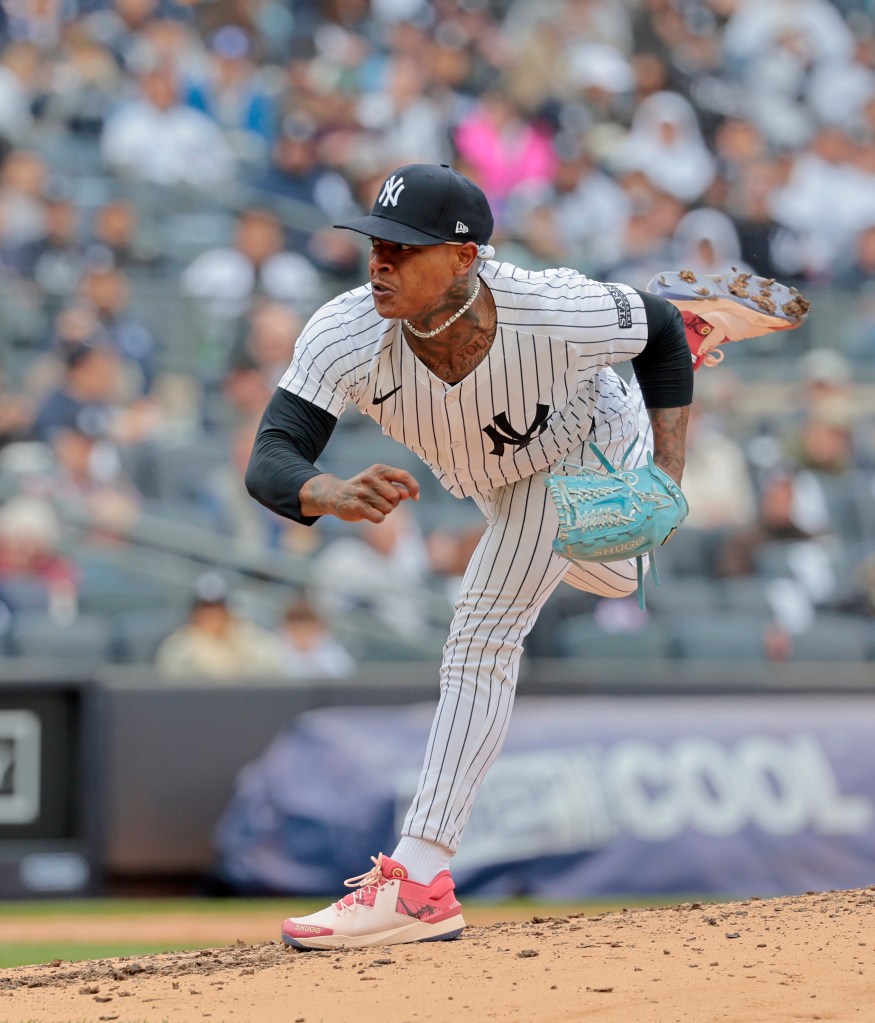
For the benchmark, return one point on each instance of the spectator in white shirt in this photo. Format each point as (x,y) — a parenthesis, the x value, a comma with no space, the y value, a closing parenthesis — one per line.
(665,143)
(224,280)
(156,138)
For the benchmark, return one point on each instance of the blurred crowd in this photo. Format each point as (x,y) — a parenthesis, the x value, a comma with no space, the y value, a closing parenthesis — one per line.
(169,176)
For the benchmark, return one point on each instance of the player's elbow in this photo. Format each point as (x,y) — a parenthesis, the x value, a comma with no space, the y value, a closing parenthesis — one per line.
(256,478)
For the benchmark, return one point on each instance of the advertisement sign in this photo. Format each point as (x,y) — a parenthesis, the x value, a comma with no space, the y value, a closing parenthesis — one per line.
(20,736)
(590,797)
(49,805)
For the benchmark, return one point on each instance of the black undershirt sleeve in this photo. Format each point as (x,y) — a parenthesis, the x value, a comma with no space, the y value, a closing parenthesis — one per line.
(664,368)
(292,435)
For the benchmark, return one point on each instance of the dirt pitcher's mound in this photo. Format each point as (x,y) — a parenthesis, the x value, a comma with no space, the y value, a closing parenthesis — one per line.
(801,958)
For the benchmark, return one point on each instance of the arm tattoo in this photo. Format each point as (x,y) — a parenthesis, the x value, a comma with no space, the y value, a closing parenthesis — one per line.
(315,495)
(669,438)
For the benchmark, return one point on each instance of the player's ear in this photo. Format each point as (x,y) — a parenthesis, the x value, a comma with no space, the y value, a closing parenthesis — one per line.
(465,256)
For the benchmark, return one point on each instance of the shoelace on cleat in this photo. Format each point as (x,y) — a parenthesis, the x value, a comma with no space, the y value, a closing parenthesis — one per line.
(712,357)
(372,878)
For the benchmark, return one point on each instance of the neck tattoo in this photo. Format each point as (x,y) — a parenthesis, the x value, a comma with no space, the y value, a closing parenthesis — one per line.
(452,319)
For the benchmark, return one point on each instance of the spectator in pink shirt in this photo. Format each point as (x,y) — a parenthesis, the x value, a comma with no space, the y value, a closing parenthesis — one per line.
(503,149)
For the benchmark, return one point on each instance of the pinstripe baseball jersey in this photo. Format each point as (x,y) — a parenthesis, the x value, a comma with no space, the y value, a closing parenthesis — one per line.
(545,383)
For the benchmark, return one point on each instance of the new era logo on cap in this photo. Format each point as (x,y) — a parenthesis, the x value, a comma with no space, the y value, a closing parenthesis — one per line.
(438,205)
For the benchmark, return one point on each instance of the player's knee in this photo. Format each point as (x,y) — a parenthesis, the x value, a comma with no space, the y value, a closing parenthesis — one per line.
(625,586)
(611,579)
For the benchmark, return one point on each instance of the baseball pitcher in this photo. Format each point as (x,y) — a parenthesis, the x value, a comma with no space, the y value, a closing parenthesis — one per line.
(500,379)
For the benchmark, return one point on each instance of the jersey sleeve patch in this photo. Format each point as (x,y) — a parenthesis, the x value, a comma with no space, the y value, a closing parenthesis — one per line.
(624,309)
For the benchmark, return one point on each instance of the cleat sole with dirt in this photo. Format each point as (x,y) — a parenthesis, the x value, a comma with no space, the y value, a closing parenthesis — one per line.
(729,307)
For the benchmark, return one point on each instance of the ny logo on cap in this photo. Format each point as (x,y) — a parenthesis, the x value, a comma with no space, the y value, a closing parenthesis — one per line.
(391,191)
(461,228)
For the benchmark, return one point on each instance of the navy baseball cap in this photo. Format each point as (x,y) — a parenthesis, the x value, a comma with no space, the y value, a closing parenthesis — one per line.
(427,204)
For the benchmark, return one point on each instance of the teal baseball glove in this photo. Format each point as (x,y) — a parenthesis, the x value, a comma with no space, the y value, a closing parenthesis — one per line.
(616,514)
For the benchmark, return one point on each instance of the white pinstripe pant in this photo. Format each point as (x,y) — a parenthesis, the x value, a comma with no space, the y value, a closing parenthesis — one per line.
(508,580)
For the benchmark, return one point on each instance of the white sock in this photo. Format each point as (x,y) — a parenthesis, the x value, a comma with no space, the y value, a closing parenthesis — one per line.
(423,859)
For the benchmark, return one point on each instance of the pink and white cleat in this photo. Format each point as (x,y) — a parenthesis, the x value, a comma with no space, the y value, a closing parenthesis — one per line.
(386,908)
(728,307)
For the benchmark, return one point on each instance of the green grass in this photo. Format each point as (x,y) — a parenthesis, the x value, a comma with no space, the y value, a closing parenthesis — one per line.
(154,907)
(31,954)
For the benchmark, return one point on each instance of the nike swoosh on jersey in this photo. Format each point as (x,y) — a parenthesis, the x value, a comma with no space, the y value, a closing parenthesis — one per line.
(379,400)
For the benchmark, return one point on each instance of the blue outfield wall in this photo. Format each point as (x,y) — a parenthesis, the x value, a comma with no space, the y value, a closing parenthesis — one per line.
(592,796)
(615,779)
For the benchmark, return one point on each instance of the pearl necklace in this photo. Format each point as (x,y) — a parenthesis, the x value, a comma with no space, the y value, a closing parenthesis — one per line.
(452,319)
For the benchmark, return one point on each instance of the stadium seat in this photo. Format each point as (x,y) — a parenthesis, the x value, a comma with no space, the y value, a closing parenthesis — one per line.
(850,504)
(138,634)
(581,636)
(85,641)
(182,470)
(731,636)
(369,639)
(186,512)
(690,552)
(109,589)
(835,637)
(749,594)
(24,594)
(676,595)
(864,497)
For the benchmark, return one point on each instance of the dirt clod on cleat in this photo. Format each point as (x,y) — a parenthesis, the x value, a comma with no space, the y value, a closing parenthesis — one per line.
(688,276)
(738,285)
(765,303)
(797,308)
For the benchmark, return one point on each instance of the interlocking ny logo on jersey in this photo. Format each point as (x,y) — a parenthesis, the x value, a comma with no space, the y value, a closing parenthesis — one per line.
(503,433)
(391,191)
